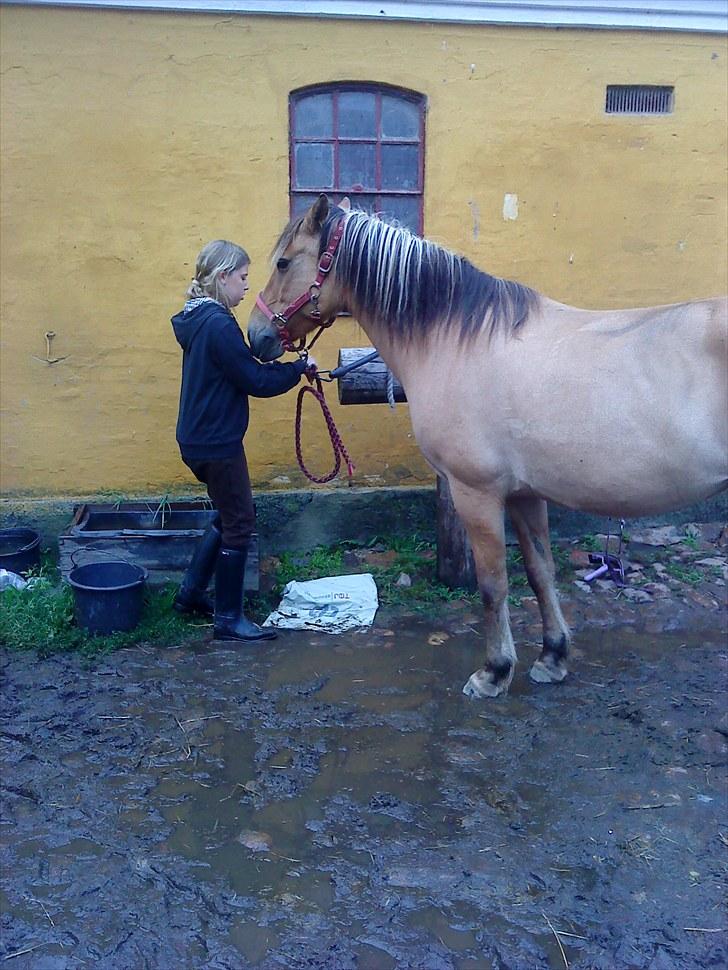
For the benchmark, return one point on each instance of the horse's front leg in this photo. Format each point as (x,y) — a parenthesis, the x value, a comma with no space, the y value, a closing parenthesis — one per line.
(482,517)
(530,520)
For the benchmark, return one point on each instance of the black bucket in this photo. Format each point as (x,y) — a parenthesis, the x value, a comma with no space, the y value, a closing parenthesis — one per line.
(19,550)
(108,595)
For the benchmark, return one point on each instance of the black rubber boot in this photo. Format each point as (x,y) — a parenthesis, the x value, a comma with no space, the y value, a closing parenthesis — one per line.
(192,596)
(230,621)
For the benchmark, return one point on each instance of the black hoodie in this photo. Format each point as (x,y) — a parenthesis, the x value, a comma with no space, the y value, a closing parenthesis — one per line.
(218,373)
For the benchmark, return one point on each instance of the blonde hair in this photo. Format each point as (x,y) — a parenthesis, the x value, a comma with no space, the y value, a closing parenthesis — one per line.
(217,257)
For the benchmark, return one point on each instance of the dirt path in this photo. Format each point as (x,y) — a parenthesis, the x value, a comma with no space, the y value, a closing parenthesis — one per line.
(335,802)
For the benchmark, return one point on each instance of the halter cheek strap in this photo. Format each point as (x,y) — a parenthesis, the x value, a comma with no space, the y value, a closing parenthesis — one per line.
(282,319)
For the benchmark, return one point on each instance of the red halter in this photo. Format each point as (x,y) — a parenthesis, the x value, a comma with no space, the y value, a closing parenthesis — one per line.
(311,295)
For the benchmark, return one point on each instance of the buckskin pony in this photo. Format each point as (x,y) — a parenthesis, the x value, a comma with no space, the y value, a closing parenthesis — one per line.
(514,398)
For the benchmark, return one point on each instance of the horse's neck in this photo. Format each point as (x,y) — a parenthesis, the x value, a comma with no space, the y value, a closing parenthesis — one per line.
(392,352)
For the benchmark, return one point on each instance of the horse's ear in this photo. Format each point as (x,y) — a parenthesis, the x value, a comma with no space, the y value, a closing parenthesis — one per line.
(345,204)
(316,215)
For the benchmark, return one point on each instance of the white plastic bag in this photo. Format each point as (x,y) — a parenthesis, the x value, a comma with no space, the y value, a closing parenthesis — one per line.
(10,580)
(330,605)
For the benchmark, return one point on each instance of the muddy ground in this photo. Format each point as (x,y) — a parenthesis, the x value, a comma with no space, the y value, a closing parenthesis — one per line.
(336,802)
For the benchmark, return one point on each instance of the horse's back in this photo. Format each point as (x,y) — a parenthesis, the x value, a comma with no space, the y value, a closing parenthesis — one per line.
(651,387)
(620,411)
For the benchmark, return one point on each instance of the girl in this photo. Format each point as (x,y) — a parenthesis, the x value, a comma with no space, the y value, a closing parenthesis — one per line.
(218,374)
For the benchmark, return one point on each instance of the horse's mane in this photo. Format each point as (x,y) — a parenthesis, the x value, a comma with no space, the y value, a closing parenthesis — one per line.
(414,286)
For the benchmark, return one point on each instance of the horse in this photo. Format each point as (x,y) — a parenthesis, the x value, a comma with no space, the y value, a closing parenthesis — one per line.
(515,399)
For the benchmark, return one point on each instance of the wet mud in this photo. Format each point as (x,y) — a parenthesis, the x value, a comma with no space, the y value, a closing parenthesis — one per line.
(336,802)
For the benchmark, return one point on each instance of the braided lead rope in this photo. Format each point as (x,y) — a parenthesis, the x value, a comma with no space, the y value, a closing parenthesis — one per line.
(390,390)
(336,443)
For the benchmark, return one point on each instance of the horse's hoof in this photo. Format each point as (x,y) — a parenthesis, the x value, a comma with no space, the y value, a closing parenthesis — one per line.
(548,671)
(483,684)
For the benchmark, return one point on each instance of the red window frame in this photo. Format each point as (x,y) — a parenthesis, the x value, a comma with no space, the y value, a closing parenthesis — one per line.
(338,190)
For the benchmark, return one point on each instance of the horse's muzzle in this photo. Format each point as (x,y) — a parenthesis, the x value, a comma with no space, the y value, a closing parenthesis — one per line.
(264,340)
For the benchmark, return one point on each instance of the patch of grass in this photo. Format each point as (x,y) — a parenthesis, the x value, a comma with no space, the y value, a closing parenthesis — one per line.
(592,543)
(321,561)
(517,579)
(684,573)
(413,555)
(562,560)
(41,618)
(421,597)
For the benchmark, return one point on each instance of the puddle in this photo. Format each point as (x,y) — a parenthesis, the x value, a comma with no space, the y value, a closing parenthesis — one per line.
(338,803)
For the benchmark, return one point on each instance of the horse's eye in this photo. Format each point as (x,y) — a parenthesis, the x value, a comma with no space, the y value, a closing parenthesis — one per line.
(283,264)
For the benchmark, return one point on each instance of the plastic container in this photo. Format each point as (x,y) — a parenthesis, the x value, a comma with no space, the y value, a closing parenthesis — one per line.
(19,550)
(108,596)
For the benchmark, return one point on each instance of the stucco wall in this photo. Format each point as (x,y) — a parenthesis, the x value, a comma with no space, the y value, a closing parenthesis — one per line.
(131,139)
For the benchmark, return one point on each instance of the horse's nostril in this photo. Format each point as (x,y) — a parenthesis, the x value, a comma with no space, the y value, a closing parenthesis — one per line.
(264,346)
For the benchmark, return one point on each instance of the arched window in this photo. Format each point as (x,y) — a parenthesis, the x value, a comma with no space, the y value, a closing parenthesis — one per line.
(366,141)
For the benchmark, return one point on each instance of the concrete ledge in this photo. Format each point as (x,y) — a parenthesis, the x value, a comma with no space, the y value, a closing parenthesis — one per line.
(287,520)
(300,520)
(566,524)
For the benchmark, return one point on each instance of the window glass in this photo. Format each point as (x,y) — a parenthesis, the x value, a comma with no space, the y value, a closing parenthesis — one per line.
(400,166)
(357,167)
(359,140)
(302,202)
(357,115)
(400,118)
(404,208)
(314,166)
(363,200)
(313,117)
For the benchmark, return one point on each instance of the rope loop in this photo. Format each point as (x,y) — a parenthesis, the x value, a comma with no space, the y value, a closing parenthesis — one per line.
(336,443)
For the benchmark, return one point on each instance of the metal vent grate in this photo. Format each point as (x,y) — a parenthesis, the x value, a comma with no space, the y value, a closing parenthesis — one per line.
(639,99)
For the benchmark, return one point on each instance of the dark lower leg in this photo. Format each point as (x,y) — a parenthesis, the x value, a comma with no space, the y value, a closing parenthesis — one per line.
(530,520)
(482,516)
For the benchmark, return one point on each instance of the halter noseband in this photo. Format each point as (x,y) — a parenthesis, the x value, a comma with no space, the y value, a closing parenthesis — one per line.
(311,295)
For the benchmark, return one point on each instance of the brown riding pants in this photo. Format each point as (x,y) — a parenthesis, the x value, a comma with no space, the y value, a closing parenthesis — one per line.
(228,485)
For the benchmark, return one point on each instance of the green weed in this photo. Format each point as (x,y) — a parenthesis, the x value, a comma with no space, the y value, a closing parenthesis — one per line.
(562,560)
(414,556)
(41,618)
(592,543)
(321,561)
(684,573)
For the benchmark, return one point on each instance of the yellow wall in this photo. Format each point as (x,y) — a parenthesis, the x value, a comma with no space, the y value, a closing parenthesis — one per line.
(131,139)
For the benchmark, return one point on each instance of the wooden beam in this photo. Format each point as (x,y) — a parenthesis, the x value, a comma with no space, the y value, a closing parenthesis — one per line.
(368,383)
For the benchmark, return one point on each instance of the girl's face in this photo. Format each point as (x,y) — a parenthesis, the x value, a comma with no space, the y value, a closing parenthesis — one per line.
(235,284)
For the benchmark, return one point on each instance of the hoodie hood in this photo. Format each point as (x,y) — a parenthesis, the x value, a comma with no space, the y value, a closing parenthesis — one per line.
(194,315)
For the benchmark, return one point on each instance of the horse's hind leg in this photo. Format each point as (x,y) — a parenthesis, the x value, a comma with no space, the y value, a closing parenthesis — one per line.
(482,516)
(530,520)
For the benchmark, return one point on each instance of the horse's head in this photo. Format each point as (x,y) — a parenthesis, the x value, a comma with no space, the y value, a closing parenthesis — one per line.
(302,293)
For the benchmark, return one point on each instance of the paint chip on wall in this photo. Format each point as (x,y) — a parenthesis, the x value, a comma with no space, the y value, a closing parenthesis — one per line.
(510,206)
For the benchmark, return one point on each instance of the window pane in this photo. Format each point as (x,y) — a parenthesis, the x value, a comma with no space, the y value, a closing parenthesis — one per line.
(357,167)
(314,166)
(364,201)
(313,116)
(400,119)
(356,115)
(400,167)
(405,209)
(302,203)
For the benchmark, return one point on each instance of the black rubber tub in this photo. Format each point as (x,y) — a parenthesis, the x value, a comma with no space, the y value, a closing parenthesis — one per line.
(108,596)
(19,550)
